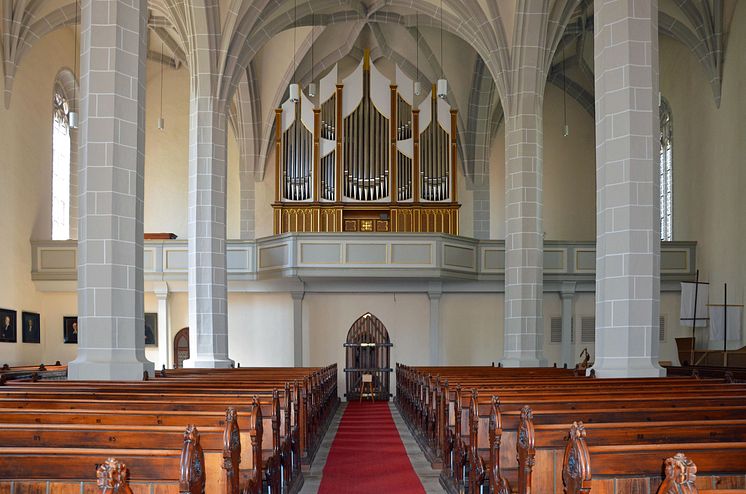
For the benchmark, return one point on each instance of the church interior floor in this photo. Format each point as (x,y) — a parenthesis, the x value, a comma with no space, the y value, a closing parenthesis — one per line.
(427,476)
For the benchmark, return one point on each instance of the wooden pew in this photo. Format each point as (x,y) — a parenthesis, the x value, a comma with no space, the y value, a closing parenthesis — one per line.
(681,478)
(221,445)
(278,453)
(200,393)
(540,447)
(622,469)
(461,422)
(63,470)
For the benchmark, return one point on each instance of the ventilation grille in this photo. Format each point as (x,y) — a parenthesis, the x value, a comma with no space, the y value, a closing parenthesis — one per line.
(662,330)
(587,329)
(556,330)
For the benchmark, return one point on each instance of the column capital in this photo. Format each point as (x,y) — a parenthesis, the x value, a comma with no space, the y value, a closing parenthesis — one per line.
(161,290)
(298,295)
(435,290)
(567,289)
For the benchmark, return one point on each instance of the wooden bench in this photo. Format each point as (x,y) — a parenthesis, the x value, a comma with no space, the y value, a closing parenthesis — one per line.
(220,445)
(119,408)
(67,470)
(481,449)
(623,469)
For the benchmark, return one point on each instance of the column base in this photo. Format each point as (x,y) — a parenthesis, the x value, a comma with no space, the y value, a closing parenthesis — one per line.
(82,369)
(208,363)
(623,367)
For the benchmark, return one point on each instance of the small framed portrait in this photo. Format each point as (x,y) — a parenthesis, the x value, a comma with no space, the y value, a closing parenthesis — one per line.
(151,329)
(8,326)
(31,324)
(70,329)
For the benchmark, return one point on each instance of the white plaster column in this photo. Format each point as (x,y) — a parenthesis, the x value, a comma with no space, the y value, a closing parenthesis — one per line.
(628,222)
(208,320)
(110,230)
(524,242)
(164,331)
(434,293)
(298,328)
(567,294)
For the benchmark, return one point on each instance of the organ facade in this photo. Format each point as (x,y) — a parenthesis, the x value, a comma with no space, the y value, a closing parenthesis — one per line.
(366,157)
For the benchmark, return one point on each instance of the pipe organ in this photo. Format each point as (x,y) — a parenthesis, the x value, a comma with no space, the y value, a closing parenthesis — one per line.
(366,157)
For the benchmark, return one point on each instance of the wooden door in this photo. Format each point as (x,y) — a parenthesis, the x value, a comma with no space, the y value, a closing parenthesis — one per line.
(181,348)
(368,351)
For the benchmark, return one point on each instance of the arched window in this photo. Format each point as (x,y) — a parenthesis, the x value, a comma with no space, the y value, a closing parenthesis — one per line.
(666,171)
(61,146)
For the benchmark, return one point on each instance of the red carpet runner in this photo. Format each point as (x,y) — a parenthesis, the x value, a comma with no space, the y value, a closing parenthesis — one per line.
(367,455)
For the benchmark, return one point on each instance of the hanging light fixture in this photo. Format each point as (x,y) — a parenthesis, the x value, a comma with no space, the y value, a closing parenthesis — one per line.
(417,83)
(161,121)
(72,117)
(312,85)
(566,130)
(294,90)
(442,82)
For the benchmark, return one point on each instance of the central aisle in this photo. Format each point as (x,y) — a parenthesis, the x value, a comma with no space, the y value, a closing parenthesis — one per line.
(368,456)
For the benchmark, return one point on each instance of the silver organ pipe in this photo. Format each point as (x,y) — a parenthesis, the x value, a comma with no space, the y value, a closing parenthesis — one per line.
(355,151)
(297,160)
(366,158)
(328,162)
(435,161)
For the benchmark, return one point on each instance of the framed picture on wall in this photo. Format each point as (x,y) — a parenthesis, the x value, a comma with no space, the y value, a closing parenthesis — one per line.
(151,329)
(31,324)
(70,329)
(8,326)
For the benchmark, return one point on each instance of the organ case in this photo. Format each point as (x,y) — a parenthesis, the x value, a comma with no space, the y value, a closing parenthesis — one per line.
(366,158)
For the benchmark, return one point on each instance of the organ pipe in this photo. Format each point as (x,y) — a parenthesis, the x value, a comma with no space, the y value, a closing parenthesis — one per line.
(362,150)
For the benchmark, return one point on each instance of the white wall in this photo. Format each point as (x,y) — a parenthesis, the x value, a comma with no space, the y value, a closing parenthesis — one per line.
(25,197)
(709,149)
(261,329)
(569,185)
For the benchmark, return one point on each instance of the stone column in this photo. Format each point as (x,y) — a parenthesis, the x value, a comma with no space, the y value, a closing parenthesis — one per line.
(248,194)
(567,294)
(164,333)
(524,242)
(298,328)
(482,209)
(434,293)
(110,229)
(628,222)
(208,321)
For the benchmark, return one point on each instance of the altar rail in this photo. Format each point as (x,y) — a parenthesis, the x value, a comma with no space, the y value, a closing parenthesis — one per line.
(345,255)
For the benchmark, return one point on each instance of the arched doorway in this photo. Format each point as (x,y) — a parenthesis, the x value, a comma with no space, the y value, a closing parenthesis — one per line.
(368,351)
(181,348)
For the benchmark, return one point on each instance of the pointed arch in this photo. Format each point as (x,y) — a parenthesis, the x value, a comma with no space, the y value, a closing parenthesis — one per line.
(368,352)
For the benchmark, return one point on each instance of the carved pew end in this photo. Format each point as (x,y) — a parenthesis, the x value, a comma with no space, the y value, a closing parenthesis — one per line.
(112,477)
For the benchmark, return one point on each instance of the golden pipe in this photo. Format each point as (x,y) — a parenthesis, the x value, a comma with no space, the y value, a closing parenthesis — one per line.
(278,152)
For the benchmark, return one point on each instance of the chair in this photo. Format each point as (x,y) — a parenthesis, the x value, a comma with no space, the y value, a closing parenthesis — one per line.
(367,379)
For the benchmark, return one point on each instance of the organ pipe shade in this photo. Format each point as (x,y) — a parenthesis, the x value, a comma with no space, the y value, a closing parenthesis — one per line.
(294,92)
(442,88)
